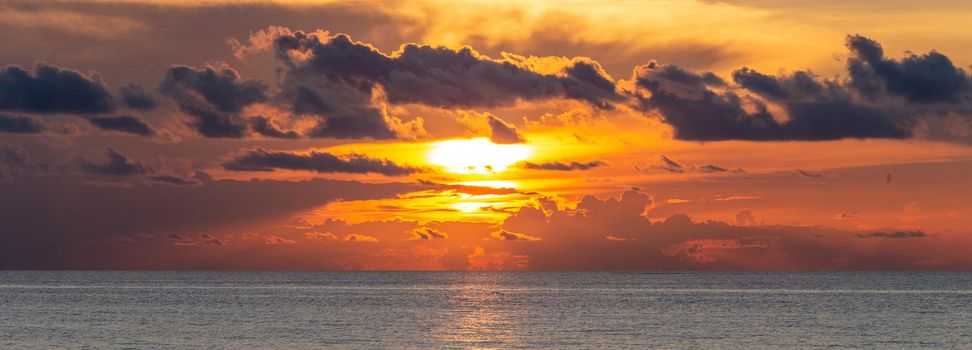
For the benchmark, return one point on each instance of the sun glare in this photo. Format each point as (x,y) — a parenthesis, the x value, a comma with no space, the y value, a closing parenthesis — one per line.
(477,156)
(490,184)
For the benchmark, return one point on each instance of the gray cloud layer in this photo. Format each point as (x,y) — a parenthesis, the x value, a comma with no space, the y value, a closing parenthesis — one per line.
(260,159)
(122,123)
(884,98)
(563,166)
(19,124)
(51,89)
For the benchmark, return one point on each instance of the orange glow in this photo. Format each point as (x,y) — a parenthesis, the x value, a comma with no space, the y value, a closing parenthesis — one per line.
(477,156)
(490,184)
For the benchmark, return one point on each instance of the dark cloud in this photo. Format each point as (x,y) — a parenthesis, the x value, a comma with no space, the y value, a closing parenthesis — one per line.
(59,222)
(440,76)
(473,190)
(51,89)
(796,86)
(19,124)
(711,116)
(809,174)
(513,236)
(342,111)
(122,123)
(675,74)
(214,124)
(344,83)
(802,106)
(669,165)
(562,166)
(222,88)
(115,164)
(709,168)
(931,77)
(678,242)
(426,233)
(587,81)
(213,241)
(894,234)
(264,126)
(214,97)
(14,160)
(135,97)
(173,180)
(13,156)
(277,240)
(502,132)
(259,159)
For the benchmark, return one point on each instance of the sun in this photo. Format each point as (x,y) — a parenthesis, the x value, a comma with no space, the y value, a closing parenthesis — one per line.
(477,156)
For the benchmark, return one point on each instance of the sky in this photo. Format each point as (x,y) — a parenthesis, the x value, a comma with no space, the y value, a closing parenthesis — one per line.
(486,135)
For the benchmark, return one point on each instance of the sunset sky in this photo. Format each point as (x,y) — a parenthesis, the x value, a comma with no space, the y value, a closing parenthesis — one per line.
(486,135)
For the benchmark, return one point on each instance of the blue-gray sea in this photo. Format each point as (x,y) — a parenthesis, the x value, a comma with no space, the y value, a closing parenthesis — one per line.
(432,310)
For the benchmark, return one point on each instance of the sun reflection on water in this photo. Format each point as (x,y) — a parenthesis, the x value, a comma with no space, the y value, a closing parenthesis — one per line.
(478,313)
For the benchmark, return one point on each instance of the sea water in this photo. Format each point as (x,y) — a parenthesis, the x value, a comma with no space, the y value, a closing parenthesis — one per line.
(432,310)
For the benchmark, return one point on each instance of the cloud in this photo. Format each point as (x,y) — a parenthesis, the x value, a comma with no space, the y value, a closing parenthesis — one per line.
(173,180)
(745,217)
(260,159)
(213,241)
(347,86)
(20,124)
(926,78)
(669,165)
(711,116)
(574,238)
(214,97)
(513,236)
(222,88)
(13,156)
(425,233)
(441,76)
(78,216)
(882,98)
(214,124)
(14,160)
(809,174)
(116,164)
(320,236)
(51,89)
(502,132)
(709,168)
(277,240)
(562,166)
(135,97)
(798,85)
(122,123)
(356,237)
(675,78)
(894,234)
(264,126)
(184,241)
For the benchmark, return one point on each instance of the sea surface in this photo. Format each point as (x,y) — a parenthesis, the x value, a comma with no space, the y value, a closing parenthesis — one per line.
(432,310)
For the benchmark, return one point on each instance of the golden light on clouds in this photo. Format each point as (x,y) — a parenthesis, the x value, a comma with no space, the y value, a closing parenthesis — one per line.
(425,206)
(480,134)
(477,156)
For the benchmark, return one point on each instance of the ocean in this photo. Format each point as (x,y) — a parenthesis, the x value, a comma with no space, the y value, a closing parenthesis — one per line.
(483,310)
